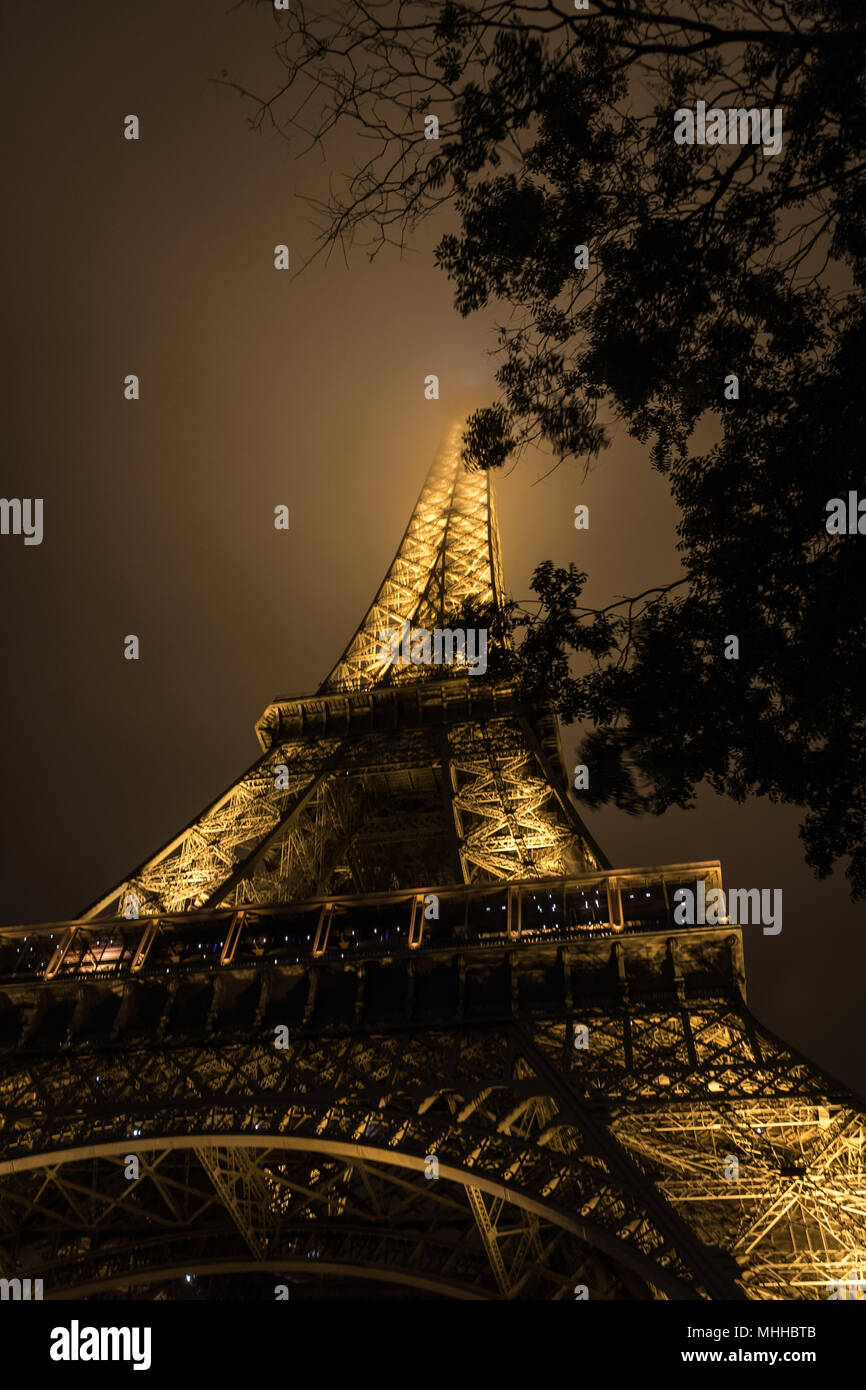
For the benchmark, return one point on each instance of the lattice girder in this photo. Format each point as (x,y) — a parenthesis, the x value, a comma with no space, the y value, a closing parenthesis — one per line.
(793,1209)
(299,899)
(449,559)
(464,800)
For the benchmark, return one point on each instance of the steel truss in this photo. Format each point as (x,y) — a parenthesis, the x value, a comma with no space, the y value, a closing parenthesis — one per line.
(523,1082)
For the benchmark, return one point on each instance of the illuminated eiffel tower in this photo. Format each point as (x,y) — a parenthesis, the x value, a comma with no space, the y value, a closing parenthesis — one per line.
(383,1022)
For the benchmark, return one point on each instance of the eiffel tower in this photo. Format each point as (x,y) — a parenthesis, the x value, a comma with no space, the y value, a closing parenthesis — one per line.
(384,1022)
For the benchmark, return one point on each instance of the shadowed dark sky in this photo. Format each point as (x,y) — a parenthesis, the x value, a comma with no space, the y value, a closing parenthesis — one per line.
(156,257)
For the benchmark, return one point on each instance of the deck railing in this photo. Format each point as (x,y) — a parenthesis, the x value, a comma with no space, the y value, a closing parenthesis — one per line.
(604,903)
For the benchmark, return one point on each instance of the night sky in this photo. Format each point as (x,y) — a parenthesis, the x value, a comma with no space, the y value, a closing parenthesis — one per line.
(259,388)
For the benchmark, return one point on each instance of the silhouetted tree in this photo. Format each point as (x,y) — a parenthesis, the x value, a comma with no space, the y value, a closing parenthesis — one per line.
(701,263)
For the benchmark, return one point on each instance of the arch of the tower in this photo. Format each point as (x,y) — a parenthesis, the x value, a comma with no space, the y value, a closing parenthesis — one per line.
(430,1161)
(294,1206)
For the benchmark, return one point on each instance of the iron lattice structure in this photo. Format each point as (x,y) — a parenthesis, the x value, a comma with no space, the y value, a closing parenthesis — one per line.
(387,1020)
